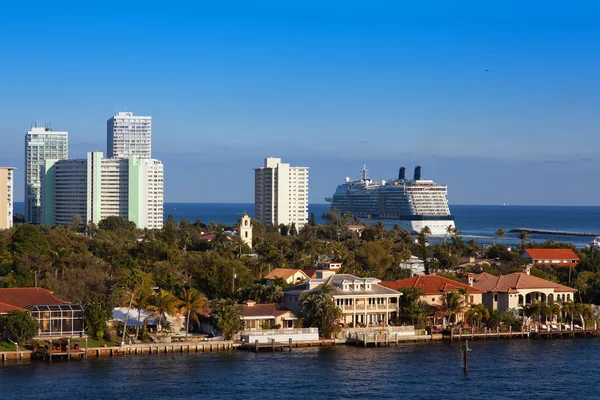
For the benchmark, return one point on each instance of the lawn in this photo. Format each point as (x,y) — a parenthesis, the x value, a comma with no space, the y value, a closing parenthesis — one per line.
(6,346)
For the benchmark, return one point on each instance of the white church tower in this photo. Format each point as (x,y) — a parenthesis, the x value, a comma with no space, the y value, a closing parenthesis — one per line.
(246,230)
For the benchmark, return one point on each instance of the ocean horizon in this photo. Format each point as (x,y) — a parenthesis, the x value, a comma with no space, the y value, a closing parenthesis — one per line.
(479,222)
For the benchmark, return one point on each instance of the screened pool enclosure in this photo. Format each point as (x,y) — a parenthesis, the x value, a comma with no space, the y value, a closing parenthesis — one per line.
(58,319)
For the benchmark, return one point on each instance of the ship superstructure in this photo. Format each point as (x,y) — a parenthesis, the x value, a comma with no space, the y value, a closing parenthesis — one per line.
(412,203)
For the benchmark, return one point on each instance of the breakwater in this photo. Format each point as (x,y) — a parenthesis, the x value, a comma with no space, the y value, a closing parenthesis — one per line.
(552,232)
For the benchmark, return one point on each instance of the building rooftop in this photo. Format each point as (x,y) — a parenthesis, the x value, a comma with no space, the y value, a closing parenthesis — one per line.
(512,282)
(253,310)
(551,254)
(21,297)
(344,285)
(284,273)
(431,284)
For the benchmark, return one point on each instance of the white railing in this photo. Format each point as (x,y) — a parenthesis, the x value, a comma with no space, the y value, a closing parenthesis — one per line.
(276,332)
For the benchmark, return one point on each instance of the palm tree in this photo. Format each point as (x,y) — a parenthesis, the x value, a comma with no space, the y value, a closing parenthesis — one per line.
(163,303)
(453,304)
(449,230)
(131,283)
(523,236)
(477,314)
(227,317)
(141,302)
(320,310)
(192,303)
(500,234)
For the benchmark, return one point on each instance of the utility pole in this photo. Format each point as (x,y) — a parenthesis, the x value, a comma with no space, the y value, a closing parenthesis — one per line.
(233,282)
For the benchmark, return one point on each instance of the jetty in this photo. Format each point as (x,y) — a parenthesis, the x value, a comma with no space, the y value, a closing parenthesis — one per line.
(552,232)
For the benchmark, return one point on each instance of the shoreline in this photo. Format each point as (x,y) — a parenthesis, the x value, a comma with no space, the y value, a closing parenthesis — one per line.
(7,357)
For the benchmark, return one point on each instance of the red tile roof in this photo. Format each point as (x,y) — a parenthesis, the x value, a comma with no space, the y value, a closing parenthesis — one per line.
(22,297)
(552,254)
(283,273)
(263,310)
(511,283)
(430,284)
(311,273)
(6,308)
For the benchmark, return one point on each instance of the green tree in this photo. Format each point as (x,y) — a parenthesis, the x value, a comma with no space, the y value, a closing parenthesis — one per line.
(20,326)
(131,283)
(423,248)
(500,234)
(192,303)
(523,237)
(477,315)
(227,317)
(163,303)
(98,310)
(453,304)
(321,311)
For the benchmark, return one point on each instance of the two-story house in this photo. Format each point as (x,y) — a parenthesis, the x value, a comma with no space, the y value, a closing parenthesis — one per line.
(362,300)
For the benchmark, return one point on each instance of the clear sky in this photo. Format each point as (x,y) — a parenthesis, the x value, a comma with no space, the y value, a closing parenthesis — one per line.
(498,99)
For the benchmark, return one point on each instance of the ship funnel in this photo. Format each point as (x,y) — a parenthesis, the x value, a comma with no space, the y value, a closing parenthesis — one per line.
(402,173)
(417,173)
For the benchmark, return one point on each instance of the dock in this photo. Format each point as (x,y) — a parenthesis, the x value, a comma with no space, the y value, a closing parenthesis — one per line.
(472,334)
(552,232)
(274,345)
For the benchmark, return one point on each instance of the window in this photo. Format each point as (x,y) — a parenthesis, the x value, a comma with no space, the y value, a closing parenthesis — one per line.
(496,297)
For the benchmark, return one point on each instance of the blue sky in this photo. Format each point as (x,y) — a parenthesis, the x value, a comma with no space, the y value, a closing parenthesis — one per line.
(499,100)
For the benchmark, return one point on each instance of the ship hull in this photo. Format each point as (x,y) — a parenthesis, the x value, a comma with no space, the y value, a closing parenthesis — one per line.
(438,227)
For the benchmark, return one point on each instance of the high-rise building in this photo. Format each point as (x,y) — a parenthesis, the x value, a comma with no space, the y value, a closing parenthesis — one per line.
(41,144)
(128,135)
(6,197)
(97,188)
(281,194)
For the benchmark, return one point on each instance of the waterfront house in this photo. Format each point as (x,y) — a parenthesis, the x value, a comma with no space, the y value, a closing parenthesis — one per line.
(266,316)
(56,318)
(510,291)
(137,318)
(289,275)
(434,288)
(555,257)
(363,301)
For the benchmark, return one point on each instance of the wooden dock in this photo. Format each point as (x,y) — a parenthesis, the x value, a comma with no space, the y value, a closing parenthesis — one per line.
(272,345)
(522,334)
(388,339)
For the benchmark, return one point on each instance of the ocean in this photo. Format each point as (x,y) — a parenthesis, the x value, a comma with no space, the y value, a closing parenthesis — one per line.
(498,369)
(475,222)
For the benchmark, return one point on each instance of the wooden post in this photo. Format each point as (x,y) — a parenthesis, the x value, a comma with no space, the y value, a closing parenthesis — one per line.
(465,350)
(290,344)
(365,339)
(256,345)
(50,351)
(69,349)
(272,344)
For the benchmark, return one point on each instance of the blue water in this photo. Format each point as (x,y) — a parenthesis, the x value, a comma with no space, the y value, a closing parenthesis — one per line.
(474,222)
(498,369)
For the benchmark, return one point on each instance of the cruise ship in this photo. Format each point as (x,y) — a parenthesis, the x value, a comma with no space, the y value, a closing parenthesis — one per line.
(412,203)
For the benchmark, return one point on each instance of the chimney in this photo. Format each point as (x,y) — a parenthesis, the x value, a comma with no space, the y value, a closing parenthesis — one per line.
(250,303)
(417,173)
(527,269)
(470,279)
(402,173)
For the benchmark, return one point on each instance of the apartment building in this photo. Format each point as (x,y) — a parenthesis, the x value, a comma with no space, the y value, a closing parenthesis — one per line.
(6,197)
(96,188)
(129,135)
(281,194)
(41,144)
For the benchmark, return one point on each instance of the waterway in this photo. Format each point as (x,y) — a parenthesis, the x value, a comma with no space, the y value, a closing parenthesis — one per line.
(498,369)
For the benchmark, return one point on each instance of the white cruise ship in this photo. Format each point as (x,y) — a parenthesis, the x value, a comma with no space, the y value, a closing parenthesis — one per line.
(412,203)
